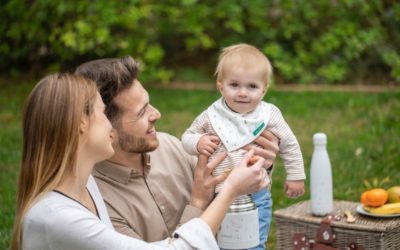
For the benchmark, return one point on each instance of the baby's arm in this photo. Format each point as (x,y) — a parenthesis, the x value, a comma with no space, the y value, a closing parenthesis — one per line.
(289,150)
(195,140)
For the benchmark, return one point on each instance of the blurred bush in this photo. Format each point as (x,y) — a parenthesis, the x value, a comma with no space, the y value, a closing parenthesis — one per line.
(327,41)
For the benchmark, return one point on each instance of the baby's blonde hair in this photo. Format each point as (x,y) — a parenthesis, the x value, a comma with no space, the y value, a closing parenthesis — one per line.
(244,54)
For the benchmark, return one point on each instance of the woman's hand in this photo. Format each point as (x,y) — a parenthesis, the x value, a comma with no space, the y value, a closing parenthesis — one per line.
(246,177)
(243,179)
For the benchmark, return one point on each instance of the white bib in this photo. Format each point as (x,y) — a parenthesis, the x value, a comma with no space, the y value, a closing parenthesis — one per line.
(237,130)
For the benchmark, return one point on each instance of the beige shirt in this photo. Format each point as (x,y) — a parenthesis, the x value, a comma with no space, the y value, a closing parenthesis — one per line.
(151,205)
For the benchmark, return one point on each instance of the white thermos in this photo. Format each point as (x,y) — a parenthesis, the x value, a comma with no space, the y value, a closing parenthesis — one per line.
(239,229)
(321,178)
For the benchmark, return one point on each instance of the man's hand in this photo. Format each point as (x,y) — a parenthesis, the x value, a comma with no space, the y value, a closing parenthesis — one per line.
(207,144)
(267,147)
(294,189)
(204,182)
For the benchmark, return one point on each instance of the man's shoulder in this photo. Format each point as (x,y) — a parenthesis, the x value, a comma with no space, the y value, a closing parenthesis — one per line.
(171,149)
(163,136)
(168,142)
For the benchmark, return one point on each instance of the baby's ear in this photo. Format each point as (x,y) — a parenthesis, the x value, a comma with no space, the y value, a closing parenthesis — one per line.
(219,85)
(266,89)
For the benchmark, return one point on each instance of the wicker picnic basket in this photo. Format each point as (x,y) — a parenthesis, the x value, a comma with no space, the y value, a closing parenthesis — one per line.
(367,232)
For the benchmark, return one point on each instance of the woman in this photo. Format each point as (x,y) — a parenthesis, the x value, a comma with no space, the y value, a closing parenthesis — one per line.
(65,132)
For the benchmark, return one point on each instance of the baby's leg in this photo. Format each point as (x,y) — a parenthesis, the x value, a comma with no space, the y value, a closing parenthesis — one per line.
(263,201)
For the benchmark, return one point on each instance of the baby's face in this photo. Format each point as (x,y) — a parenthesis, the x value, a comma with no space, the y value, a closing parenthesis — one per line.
(243,88)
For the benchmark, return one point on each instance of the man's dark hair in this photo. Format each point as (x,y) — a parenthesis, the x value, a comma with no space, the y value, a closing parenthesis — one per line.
(112,76)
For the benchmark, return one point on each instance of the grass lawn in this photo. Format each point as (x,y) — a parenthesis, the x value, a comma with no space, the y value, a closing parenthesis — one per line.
(363,137)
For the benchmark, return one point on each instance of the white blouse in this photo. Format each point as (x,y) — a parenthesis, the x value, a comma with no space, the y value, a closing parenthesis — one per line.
(58,222)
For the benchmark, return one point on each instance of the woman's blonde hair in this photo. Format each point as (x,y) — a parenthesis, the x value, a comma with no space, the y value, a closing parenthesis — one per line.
(52,116)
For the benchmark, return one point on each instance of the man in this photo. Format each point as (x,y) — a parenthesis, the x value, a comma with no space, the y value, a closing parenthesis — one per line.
(147,184)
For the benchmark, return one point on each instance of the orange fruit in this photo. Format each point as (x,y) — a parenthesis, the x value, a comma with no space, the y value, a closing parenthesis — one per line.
(364,198)
(375,197)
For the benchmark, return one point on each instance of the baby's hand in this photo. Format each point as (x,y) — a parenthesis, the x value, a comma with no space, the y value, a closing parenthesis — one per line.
(294,189)
(207,144)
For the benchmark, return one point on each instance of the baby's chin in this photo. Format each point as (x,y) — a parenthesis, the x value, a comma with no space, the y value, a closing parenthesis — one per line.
(244,110)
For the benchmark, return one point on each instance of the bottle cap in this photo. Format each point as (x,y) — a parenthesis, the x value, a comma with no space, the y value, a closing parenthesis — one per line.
(319,139)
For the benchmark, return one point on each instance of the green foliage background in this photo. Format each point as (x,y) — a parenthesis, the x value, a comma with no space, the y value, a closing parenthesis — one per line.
(327,41)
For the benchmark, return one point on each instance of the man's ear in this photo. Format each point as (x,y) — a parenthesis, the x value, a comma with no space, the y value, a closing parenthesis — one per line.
(84,126)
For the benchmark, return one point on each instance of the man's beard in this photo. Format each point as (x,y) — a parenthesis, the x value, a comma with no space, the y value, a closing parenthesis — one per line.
(135,144)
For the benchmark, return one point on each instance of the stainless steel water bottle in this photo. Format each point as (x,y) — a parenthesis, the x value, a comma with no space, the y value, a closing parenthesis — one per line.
(321,178)
(239,229)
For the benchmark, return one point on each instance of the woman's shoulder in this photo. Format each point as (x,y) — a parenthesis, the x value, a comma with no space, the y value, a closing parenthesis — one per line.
(45,221)
(48,209)
(58,222)
(48,203)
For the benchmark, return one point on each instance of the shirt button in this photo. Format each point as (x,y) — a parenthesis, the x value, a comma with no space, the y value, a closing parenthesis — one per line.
(162,208)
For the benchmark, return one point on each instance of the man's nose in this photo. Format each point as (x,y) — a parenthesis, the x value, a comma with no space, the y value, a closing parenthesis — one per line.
(155,114)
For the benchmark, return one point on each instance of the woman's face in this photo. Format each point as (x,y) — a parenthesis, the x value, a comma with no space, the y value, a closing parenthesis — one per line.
(99,141)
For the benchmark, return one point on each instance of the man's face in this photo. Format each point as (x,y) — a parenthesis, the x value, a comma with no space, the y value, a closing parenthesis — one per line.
(135,129)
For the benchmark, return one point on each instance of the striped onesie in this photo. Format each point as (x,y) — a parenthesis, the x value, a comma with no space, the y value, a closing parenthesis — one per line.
(237,130)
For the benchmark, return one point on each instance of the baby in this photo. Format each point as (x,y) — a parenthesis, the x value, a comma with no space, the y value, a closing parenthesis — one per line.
(239,117)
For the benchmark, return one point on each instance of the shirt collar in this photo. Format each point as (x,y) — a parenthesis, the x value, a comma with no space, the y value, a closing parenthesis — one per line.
(121,173)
